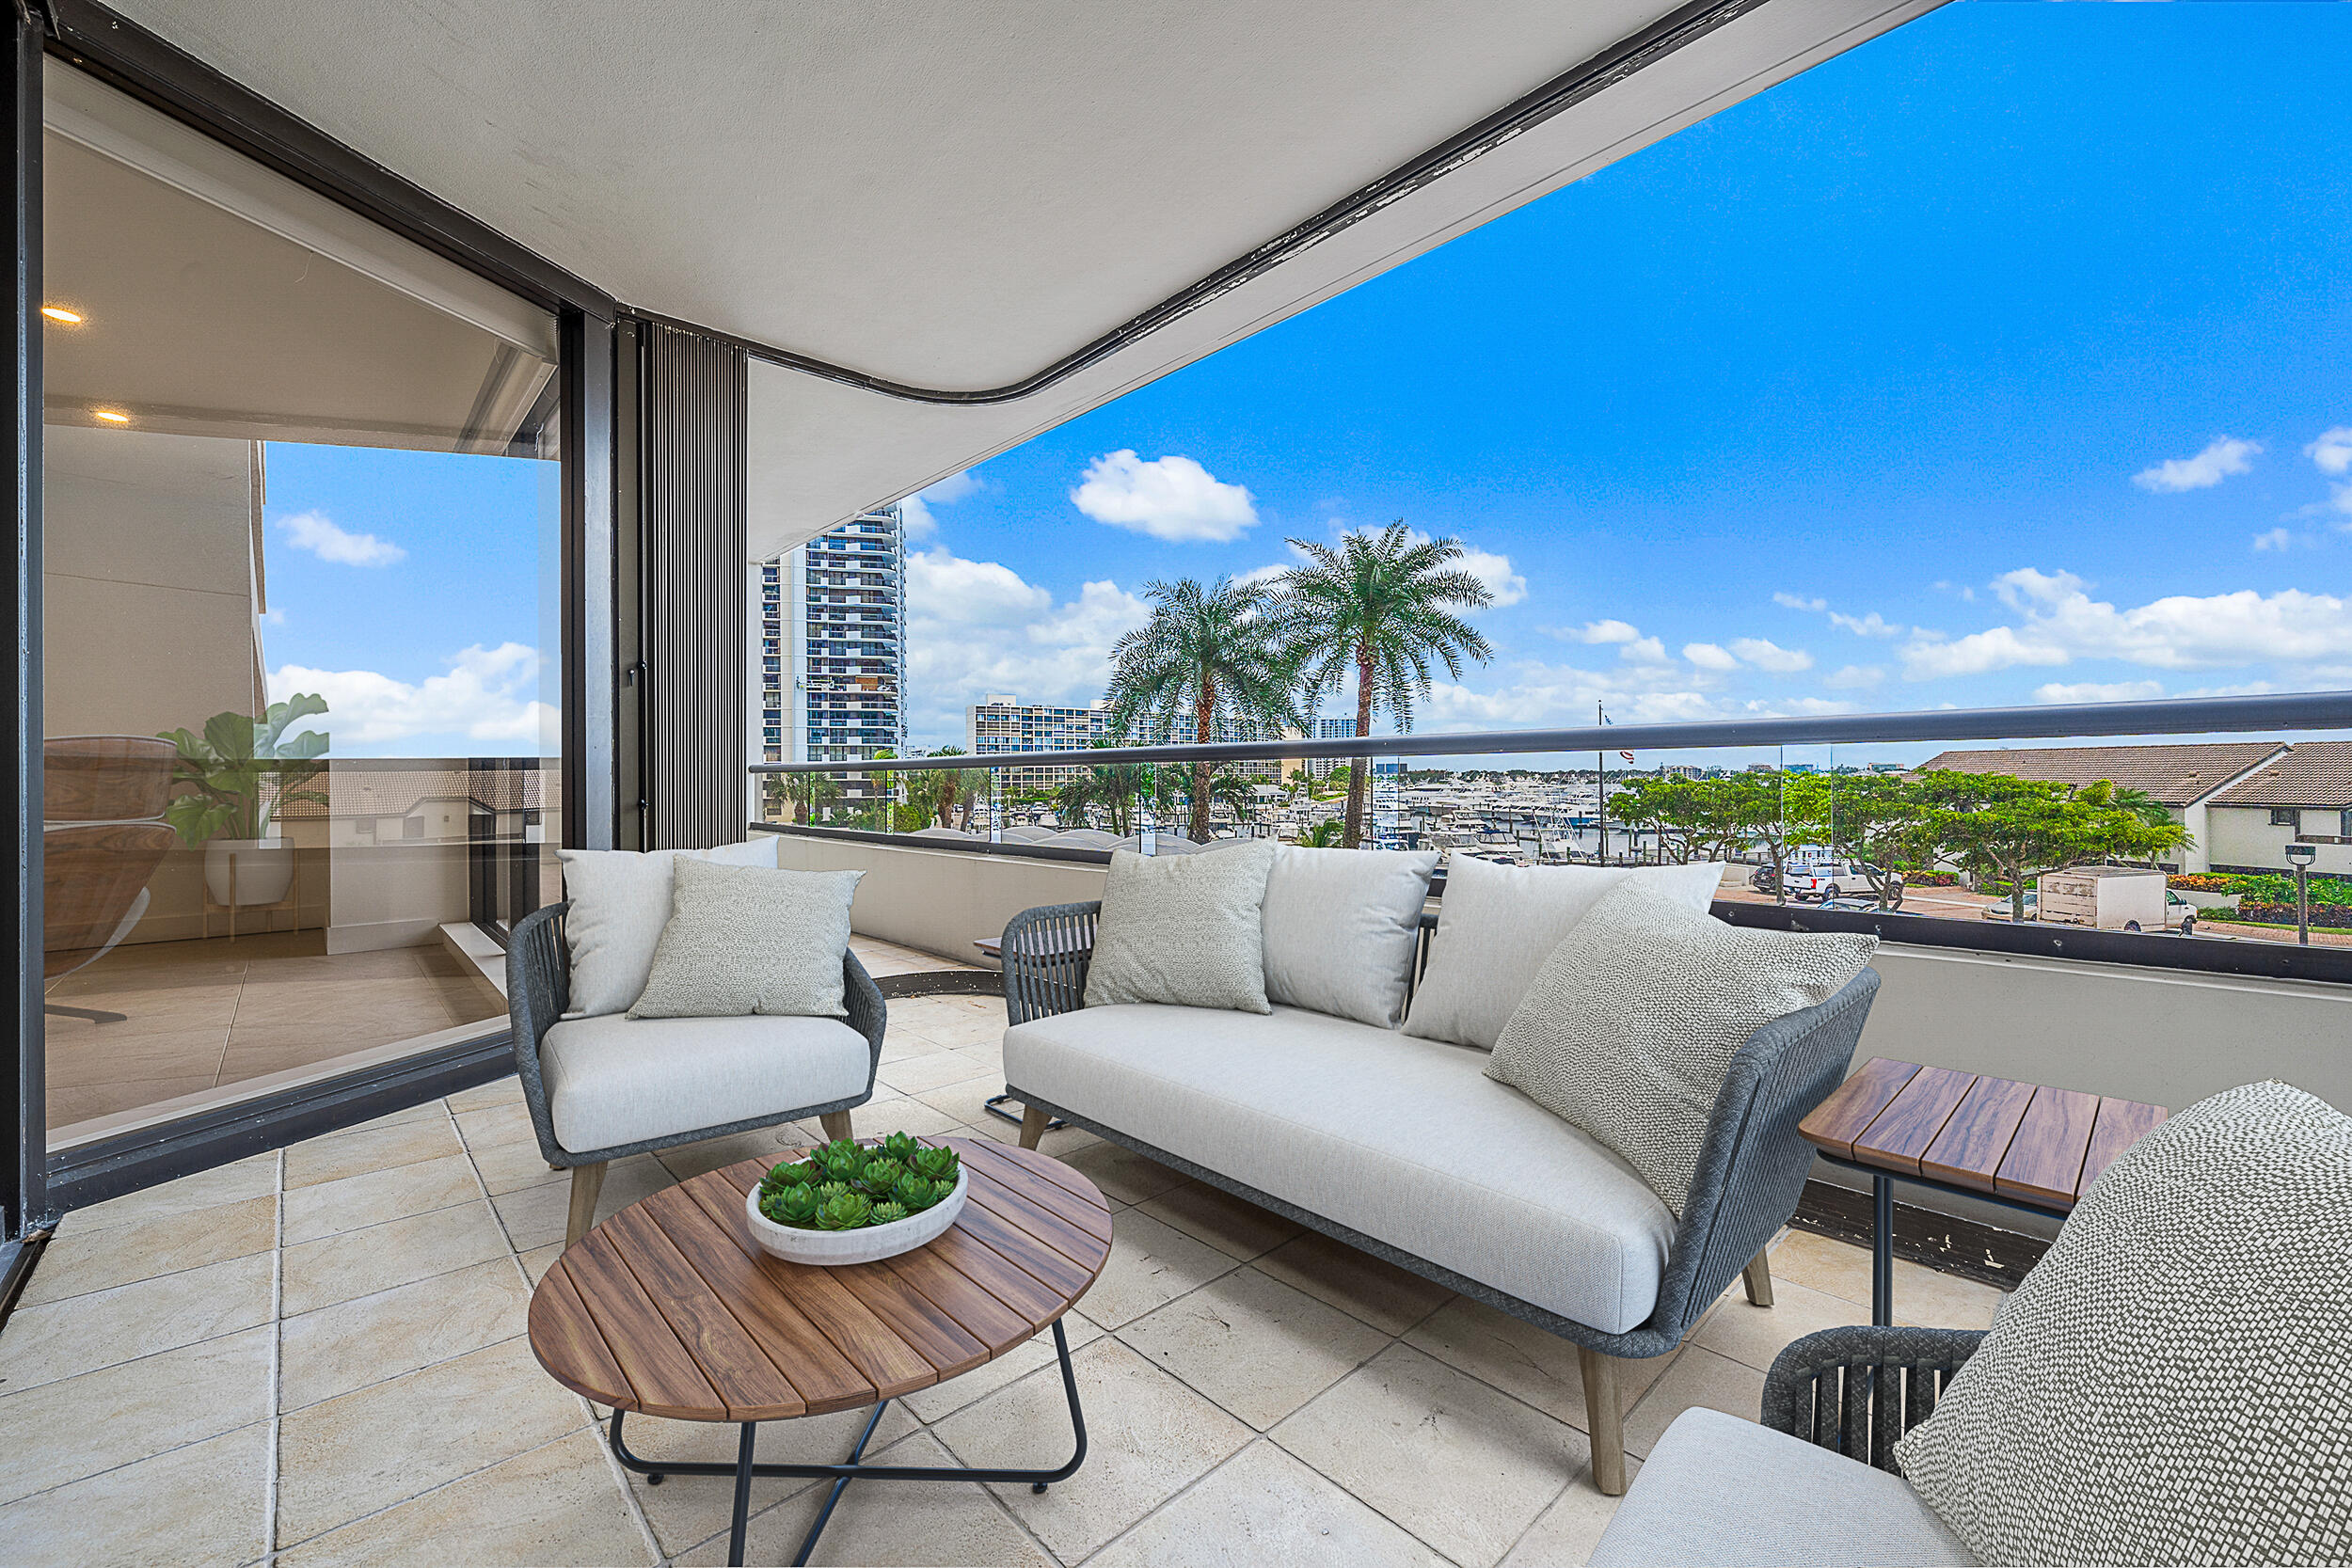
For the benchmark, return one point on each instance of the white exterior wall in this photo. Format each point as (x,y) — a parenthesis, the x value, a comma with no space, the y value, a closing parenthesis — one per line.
(2244,835)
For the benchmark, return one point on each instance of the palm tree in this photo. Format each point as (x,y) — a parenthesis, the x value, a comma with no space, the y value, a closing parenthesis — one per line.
(1382,606)
(806,792)
(1323,835)
(1237,794)
(1211,657)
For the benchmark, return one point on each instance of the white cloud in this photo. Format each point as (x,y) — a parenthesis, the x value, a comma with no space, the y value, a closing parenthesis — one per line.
(1707,656)
(916,510)
(975,627)
(2098,692)
(2223,456)
(1854,677)
(2333,452)
(1506,585)
(1168,498)
(489,695)
(2059,623)
(1872,625)
(1600,631)
(1770,656)
(1538,694)
(1790,601)
(316,533)
(1644,650)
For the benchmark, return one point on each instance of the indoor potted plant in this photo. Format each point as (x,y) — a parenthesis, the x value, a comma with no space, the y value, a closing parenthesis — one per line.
(854,1203)
(237,774)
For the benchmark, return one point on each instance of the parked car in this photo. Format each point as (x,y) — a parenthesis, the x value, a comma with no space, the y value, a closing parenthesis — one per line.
(1827,880)
(1998,909)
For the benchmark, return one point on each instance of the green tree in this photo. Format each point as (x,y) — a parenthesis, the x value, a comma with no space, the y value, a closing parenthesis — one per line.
(1381,605)
(948,795)
(805,793)
(1323,835)
(1211,657)
(2014,830)
(1886,825)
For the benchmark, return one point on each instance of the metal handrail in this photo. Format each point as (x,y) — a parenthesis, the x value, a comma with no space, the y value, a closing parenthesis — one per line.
(2314,710)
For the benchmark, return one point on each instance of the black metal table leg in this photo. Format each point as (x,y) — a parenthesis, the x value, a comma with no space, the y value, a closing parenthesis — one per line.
(745,1466)
(994,1105)
(1883,1250)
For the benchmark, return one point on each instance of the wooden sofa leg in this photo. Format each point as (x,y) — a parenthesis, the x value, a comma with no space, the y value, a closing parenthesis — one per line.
(1604,1419)
(837,1125)
(587,1183)
(1033,1123)
(1758,1274)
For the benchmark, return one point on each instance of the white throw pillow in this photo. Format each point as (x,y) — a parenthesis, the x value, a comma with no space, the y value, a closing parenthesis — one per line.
(1499,925)
(2172,1382)
(743,940)
(1630,1026)
(1187,930)
(620,902)
(1341,927)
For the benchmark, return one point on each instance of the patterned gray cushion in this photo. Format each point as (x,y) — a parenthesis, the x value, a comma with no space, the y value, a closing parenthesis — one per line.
(2172,1382)
(743,940)
(1186,929)
(1631,1024)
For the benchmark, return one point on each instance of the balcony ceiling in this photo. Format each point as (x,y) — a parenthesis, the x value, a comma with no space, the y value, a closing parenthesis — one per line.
(955,194)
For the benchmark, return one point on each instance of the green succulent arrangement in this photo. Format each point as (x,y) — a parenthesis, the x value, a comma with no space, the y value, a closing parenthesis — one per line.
(848,1185)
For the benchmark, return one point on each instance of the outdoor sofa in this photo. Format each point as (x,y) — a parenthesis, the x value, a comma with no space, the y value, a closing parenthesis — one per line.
(1403,1148)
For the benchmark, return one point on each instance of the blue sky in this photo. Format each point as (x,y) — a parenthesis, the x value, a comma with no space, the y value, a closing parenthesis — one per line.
(2002,360)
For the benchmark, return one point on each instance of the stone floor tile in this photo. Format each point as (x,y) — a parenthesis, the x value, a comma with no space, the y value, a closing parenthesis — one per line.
(687,1161)
(1458,1464)
(251,1177)
(1150,1264)
(1522,1360)
(1922,1296)
(553,1504)
(499,1091)
(968,1029)
(1147,1437)
(76,1264)
(509,1168)
(1256,1347)
(1227,1223)
(901,1042)
(370,1197)
(82,1334)
(509,1123)
(1571,1526)
(203,1504)
(391,1441)
(910,1117)
(1122,1174)
(918,1074)
(941,1399)
(80,1426)
(340,1154)
(891,1522)
(1698,1377)
(1356,1282)
(966,1101)
(687,1510)
(536,1262)
(358,1263)
(537,1215)
(1262,1506)
(1754,1335)
(354,1343)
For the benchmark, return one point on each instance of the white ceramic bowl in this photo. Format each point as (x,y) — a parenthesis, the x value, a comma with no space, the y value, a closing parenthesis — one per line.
(865,1244)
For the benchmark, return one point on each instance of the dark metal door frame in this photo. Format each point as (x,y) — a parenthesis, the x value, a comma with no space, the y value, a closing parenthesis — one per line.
(24,1189)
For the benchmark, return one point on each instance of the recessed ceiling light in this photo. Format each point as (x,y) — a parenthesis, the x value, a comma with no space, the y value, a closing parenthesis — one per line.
(59,313)
(111,415)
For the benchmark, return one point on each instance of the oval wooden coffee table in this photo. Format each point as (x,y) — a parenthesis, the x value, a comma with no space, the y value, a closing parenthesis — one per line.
(670,1309)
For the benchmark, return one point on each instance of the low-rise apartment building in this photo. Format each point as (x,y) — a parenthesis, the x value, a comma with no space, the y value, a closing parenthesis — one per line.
(2186,780)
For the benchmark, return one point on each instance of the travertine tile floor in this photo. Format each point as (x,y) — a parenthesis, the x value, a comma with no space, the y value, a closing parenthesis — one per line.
(317,1356)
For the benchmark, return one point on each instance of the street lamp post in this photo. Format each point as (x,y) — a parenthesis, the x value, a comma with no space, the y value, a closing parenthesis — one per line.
(2302,855)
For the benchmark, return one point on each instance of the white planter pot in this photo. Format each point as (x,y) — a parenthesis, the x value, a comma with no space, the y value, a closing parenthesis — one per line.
(241,872)
(834,1248)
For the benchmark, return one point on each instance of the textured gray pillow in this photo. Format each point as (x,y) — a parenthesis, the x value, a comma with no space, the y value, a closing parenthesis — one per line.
(2172,1382)
(743,940)
(1184,929)
(1630,1027)
(620,901)
(1340,926)
(1499,925)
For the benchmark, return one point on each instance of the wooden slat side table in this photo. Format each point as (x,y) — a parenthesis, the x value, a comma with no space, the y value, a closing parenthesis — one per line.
(671,1309)
(2024,1144)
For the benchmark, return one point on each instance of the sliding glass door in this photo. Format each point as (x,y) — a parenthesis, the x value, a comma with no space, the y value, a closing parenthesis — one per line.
(301,633)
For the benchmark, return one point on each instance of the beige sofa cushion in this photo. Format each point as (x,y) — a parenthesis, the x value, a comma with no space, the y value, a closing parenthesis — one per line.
(1183,928)
(1341,928)
(1497,925)
(616,1080)
(620,902)
(1407,1141)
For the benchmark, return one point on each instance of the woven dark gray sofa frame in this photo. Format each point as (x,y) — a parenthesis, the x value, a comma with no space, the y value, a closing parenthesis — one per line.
(1752,1167)
(538,990)
(1857,1390)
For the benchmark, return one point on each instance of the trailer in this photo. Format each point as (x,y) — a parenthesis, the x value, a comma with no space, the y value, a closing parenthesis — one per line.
(2106,897)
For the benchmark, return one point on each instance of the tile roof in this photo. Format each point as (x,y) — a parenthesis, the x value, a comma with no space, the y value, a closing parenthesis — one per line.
(2177,775)
(2314,773)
